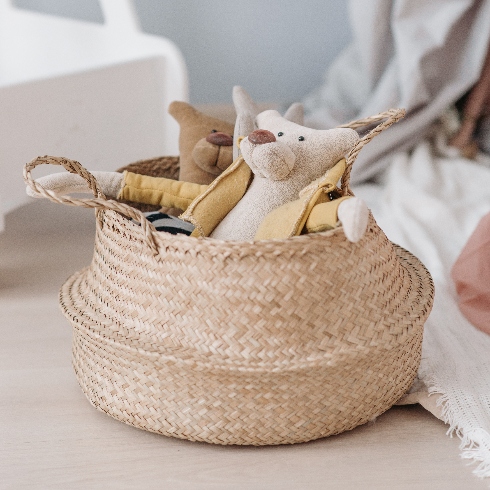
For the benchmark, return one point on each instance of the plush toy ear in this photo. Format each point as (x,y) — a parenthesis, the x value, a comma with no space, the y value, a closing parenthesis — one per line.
(181,111)
(243,102)
(296,113)
(246,111)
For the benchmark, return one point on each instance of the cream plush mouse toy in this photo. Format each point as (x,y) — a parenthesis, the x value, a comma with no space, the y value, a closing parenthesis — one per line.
(285,158)
(285,173)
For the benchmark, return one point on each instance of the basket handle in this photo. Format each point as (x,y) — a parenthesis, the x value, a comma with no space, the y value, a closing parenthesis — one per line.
(98,202)
(385,120)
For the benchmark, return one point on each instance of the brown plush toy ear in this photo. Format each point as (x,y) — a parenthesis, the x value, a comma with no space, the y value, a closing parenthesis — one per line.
(200,159)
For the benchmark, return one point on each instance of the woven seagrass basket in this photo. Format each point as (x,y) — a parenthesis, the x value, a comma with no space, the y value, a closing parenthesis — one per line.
(270,342)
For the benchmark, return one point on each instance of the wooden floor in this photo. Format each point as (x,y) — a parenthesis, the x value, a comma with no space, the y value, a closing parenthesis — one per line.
(51,437)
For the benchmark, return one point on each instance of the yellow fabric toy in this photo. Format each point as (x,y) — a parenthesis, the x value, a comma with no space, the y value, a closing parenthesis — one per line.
(206,206)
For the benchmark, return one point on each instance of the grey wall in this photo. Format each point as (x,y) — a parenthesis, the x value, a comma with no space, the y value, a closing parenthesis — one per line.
(277,49)
(76,9)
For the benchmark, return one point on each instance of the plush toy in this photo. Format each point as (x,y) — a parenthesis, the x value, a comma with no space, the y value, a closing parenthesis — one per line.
(285,158)
(295,172)
(286,171)
(205,144)
(205,150)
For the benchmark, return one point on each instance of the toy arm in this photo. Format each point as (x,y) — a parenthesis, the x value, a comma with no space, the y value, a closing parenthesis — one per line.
(352,212)
(354,216)
(159,191)
(129,186)
(110,184)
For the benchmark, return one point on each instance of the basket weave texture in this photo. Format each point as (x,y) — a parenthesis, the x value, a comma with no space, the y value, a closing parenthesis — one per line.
(268,342)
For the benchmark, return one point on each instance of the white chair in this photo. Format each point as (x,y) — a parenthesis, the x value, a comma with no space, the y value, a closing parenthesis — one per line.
(97,93)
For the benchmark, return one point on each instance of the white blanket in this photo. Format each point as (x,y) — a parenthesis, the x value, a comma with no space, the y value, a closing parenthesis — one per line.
(417,54)
(430,204)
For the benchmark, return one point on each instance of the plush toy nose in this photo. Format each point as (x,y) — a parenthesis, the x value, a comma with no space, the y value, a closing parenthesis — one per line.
(220,139)
(261,136)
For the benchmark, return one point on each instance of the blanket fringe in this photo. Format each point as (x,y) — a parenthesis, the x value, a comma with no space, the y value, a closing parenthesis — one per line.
(475,443)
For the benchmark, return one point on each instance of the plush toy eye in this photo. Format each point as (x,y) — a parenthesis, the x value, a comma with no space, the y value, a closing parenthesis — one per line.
(280,133)
(214,131)
(301,138)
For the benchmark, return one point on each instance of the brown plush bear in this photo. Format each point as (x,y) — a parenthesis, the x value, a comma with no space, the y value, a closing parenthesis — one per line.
(205,144)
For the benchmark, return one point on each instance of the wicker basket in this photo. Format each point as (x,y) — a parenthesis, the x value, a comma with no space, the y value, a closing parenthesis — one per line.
(270,342)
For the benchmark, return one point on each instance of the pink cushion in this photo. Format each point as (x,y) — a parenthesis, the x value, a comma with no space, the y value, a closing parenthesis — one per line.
(471,275)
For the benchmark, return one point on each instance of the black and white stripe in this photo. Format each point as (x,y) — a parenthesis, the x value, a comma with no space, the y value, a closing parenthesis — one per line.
(170,224)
